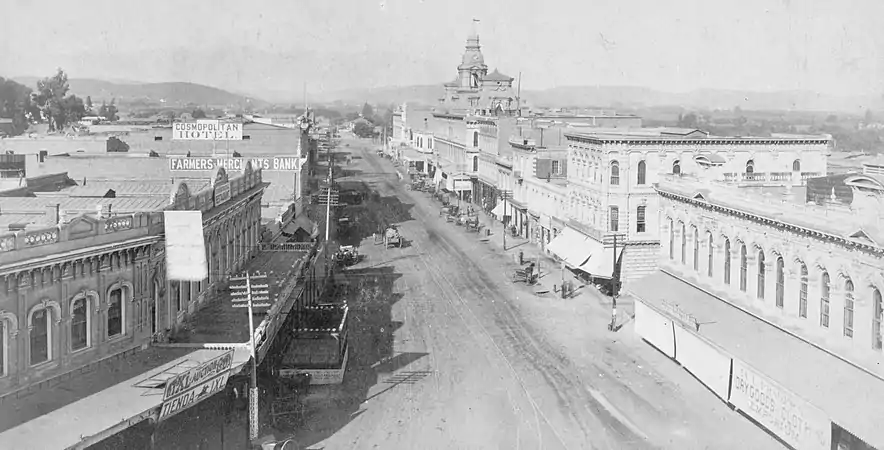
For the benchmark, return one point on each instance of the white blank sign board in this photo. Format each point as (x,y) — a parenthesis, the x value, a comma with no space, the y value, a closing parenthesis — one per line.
(185,246)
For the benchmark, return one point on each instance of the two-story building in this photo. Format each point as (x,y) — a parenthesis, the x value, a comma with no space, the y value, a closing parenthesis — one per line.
(776,296)
(84,272)
(611,174)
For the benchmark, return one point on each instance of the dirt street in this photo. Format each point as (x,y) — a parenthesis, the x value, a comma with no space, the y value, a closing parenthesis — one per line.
(448,353)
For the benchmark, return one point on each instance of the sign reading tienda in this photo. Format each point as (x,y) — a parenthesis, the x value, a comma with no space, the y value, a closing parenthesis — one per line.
(208,163)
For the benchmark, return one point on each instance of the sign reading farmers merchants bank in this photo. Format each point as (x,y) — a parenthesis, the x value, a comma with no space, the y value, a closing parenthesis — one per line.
(208,163)
(206,130)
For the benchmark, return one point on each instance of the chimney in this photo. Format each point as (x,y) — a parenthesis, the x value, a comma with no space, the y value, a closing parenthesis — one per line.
(52,214)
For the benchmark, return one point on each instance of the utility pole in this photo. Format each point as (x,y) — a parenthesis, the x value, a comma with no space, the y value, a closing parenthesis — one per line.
(251,296)
(329,198)
(615,282)
(504,195)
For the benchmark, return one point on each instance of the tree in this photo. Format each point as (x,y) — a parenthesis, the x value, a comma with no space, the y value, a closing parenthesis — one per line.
(363,129)
(115,144)
(89,104)
(688,120)
(56,106)
(198,114)
(367,111)
(15,104)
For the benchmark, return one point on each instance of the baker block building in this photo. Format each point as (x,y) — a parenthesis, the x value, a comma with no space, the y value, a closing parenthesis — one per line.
(611,177)
(810,275)
(83,273)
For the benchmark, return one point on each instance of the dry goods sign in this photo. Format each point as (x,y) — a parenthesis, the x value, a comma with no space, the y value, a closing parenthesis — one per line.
(196,385)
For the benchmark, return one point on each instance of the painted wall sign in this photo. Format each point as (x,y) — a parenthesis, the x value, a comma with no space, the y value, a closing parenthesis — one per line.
(198,375)
(206,130)
(208,163)
(222,193)
(193,396)
(794,420)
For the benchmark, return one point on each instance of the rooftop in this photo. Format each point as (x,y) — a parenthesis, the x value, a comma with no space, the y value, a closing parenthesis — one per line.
(35,205)
(126,188)
(220,322)
(668,133)
(779,205)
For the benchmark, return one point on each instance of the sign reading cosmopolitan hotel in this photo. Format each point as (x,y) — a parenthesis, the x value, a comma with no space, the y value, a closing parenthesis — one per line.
(207,130)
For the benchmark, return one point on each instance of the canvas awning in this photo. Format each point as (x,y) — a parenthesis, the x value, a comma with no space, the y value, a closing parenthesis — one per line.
(572,247)
(503,209)
(601,263)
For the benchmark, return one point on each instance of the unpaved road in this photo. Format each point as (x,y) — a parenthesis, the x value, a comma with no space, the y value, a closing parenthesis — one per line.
(443,357)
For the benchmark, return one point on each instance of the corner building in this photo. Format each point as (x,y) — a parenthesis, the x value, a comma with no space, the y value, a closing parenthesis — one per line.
(84,274)
(791,292)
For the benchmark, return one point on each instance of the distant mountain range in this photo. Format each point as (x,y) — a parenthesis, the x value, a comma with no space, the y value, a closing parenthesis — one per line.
(632,97)
(172,93)
(626,97)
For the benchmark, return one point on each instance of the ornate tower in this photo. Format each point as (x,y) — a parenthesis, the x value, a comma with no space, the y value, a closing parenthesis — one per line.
(472,68)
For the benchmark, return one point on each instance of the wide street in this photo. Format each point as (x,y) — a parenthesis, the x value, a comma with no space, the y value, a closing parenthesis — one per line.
(448,353)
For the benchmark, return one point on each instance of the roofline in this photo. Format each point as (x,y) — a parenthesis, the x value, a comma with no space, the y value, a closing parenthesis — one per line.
(769,220)
(591,138)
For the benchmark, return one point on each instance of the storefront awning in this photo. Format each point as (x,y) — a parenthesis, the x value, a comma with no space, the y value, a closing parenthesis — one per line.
(601,263)
(572,247)
(498,210)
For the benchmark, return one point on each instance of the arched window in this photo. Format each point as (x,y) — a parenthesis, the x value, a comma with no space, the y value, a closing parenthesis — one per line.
(40,336)
(175,290)
(877,319)
(727,261)
(709,262)
(781,282)
(115,307)
(4,354)
(676,167)
(796,166)
(848,308)
(824,300)
(684,242)
(750,167)
(760,290)
(615,218)
(802,292)
(641,172)
(743,267)
(80,321)
(615,173)
(696,249)
(671,239)
(475,139)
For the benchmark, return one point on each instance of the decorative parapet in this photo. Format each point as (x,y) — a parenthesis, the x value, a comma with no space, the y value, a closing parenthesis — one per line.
(79,227)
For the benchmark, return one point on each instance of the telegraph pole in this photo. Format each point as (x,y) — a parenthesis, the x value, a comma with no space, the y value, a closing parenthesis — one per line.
(251,296)
(329,198)
(505,195)
(615,281)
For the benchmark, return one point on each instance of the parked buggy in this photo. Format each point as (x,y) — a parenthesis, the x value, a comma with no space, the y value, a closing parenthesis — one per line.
(472,224)
(347,256)
(392,237)
(527,275)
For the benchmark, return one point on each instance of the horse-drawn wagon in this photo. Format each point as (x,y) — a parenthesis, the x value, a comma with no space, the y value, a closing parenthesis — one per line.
(392,237)
(527,275)
(347,256)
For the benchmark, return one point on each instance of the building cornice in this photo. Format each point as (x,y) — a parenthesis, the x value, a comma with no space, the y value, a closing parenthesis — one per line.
(656,141)
(824,236)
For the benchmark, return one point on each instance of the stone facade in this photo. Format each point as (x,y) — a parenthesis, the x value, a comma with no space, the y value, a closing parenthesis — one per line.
(94,286)
(611,176)
(814,271)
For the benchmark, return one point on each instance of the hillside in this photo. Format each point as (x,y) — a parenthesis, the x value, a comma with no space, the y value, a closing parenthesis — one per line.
(633,97)
(173,93)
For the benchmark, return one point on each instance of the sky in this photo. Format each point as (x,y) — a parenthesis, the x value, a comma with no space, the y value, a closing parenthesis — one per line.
(274,46)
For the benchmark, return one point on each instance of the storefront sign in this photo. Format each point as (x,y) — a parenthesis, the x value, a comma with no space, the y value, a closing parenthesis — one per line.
(193,396)
(792,419)
(206,130)
(222,193)
(209,163)
(681,315)
(463,185)
(198,375)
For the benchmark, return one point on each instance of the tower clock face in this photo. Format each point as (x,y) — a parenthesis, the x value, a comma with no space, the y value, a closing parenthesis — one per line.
(475,57)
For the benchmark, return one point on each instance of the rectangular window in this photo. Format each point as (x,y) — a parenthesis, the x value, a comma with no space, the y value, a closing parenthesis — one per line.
(640,220)
(615,218)
(802,298)
(848,315)
(157,138)
(2,348)
(246,137)
(79,325)
(115,313)
(39,337)
(556,169)
(696,250)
